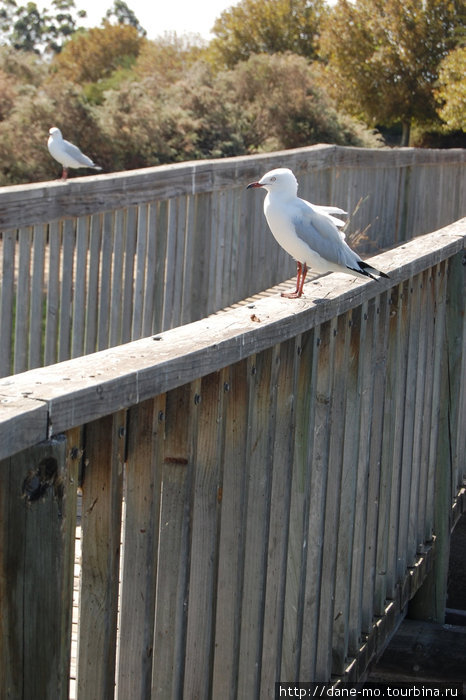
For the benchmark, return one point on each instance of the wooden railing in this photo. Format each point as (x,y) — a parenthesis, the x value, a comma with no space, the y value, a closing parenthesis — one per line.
(279,477)
(107,259)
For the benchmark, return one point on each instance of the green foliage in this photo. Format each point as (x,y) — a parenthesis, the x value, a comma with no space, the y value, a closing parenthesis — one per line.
(124,15)
(451,90)
(255,26)
(27,28)
(383,56)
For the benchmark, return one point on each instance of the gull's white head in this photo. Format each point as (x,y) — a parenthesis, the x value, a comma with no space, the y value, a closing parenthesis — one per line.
(278,180)
(55,132)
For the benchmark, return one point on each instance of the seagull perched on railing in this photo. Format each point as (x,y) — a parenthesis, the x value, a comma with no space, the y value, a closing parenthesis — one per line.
(308,232)
(68,155)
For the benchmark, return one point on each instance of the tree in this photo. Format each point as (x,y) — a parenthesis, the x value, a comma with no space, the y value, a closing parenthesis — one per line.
(95,54)
(255,26)
(27,28)
(168,57)
(451,89)
(124,15)
(383,56)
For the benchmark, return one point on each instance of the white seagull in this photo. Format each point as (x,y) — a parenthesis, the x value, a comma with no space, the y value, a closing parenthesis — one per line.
(308,231)
(68,155)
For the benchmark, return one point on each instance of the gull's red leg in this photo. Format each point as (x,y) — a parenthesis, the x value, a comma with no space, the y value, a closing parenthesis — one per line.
(295,294)
(303,277)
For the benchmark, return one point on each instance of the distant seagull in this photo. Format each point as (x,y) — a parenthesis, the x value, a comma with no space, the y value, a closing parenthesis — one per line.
(308,231)
(67,154)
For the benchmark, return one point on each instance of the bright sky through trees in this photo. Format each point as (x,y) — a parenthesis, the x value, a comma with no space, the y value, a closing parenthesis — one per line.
(160,16)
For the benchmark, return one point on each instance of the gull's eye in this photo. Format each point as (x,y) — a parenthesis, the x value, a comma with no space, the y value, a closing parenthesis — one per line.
(272,179)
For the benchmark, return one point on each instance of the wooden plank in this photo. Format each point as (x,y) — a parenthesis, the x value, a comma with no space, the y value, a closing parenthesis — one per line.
(150,299)
(36,559)
(37,329)
(23,300)
(299,506)
(141,538)
(105,281)
(280,501)
(360,356)
(98,193)
(79,296)
(318,489)
(262,398)
(53,294)
(232,535)
(85,388)
(406,549)
(66,290)
(362,612)
(95,237)
(207,500)
(128,289)
(174,546)
(22,423)
(116,303)
(335,489)
(140,272)
(100,541)
(7,301)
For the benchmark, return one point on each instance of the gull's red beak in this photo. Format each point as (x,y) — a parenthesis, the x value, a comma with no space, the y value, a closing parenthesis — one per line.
(254,184)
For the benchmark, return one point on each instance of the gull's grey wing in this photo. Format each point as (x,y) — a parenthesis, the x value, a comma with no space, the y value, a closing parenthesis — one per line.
(74,152)
(318,231)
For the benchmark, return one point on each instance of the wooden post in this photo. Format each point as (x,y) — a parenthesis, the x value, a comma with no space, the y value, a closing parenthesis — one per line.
(37,524)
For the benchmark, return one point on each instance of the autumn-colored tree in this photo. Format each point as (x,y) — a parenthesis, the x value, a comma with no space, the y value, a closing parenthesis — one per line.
(95,54)
(255,26)
(383,56)
(168,57)
(451,89)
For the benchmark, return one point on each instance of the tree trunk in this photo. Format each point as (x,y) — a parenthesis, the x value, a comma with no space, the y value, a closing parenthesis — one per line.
(406,129)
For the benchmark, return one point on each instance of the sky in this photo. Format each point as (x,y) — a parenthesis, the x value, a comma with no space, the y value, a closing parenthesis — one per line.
(160,16)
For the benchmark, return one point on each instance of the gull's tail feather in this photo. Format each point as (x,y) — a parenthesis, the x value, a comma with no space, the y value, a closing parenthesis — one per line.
(368,271)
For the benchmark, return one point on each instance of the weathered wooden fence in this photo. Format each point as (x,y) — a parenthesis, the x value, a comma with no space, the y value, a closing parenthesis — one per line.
(104,260)
(287,472)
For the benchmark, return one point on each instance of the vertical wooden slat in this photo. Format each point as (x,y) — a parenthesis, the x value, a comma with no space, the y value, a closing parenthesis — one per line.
(116,302)
(160,235)
(128,288)
(93,296)
(105,281)
(149,290)
(53,294)
(277,554)
(180,261)
(207,499)
(23,300)
(100,539)
(7,301)
(318,487)
(377,499)
(334,491)
(360,355)
(79,297)
(37,525)
(140,272)
(299,506)
(231,536)
(190,275)
(389,468)
(171,271)
(261,424)
(37,326)
(174,548)
(141,538)
(66,295)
